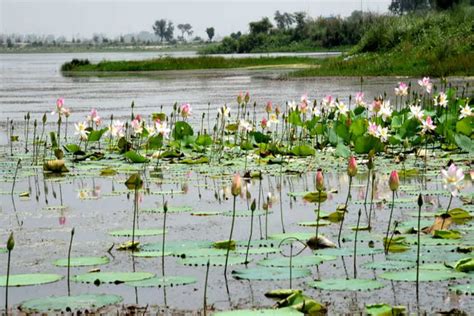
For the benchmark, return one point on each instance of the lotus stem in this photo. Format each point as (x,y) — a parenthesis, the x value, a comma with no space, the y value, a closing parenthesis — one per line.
(447,210)
(317,216)
(371,201)
(291,265)
(14,177)
(420,204)
(8,279)
(389,223)
(345,210)
(27,131)
(230,236)
(165,211)
(135,207)
(355,243)
(69,263)
(252,209)
(205,287)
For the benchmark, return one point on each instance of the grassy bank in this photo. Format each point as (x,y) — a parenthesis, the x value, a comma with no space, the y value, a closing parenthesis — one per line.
(189,63)
(434,44)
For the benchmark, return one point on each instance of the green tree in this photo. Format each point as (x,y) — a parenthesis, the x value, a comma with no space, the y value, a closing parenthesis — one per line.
(401,7)
(160,29)
(185,29)
(260,27)
(169,31)
(210,33)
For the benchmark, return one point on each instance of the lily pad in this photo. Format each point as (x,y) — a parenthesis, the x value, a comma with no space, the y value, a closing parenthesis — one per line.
(112,277)
(347,284)
(213,261)
(425,275)
(246,213)
(348,252)
(258,251)
(138,232)
(389,265)
(69,303)
(300,235)
(176,246)
(301,261)
(171,209)
(267,273)
(163,281)
(151,254)
(463,289)
(29,279)
(82,261)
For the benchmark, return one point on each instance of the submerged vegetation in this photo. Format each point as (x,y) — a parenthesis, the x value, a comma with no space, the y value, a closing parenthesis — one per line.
(406,158)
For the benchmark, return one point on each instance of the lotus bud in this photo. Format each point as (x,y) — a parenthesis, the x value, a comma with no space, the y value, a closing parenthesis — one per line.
(264,123)
(420,200)
(165,207)
(352,167)
(236,185)
(370,163)
(253,206)
(239,98)
(269,107)
(319,180)
(277,111)
(10,242)
(247,97)
(394,181)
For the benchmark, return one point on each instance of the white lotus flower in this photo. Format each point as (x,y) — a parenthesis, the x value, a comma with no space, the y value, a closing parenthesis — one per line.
(466,111)
(452,178)
(81,130)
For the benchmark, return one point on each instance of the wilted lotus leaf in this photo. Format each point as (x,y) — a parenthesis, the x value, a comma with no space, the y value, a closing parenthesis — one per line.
(129,245)
(385,310)
(225,244)
(297,300)
(56,166)
(465,265)
(315,197)
(447,234)
(441,222)
(320,243)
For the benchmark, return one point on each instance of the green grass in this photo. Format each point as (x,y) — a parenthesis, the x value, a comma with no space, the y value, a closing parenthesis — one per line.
(189,63)
(434,44)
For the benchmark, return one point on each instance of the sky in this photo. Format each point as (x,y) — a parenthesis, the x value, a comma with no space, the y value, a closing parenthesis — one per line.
(84,17)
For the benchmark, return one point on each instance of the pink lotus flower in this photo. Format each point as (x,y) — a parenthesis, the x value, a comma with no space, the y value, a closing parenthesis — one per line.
(394,181)
(137,126)
(376,105)
(66,112)
(59,103)
(94,117)
(359,99)
(426,84)
(452,179)
(373,129)
(402,89)
(427,125)
(185,110)
(62,220)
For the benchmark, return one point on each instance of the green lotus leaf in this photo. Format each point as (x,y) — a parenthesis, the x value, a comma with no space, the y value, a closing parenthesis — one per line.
(69,303)
(111,277)
(29,279)
(82,261)
(267,273)
(163,281)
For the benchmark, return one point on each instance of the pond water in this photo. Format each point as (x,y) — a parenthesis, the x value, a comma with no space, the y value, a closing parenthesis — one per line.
(95,205)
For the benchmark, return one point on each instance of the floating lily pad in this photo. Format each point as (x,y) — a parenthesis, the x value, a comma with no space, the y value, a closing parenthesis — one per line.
(29,279)
(257,251)
(111,277)
(69,303)
(300,235)
(82,261)
(361,251)
(176,246)
(300,261)
(171,209)
(213,261)
(163,281)
(267,273)
(314,223)
(389,265)
(463,289)
(425,275)
(288,311)
(210,213)
(347,285)
(138,232)
(259,243)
